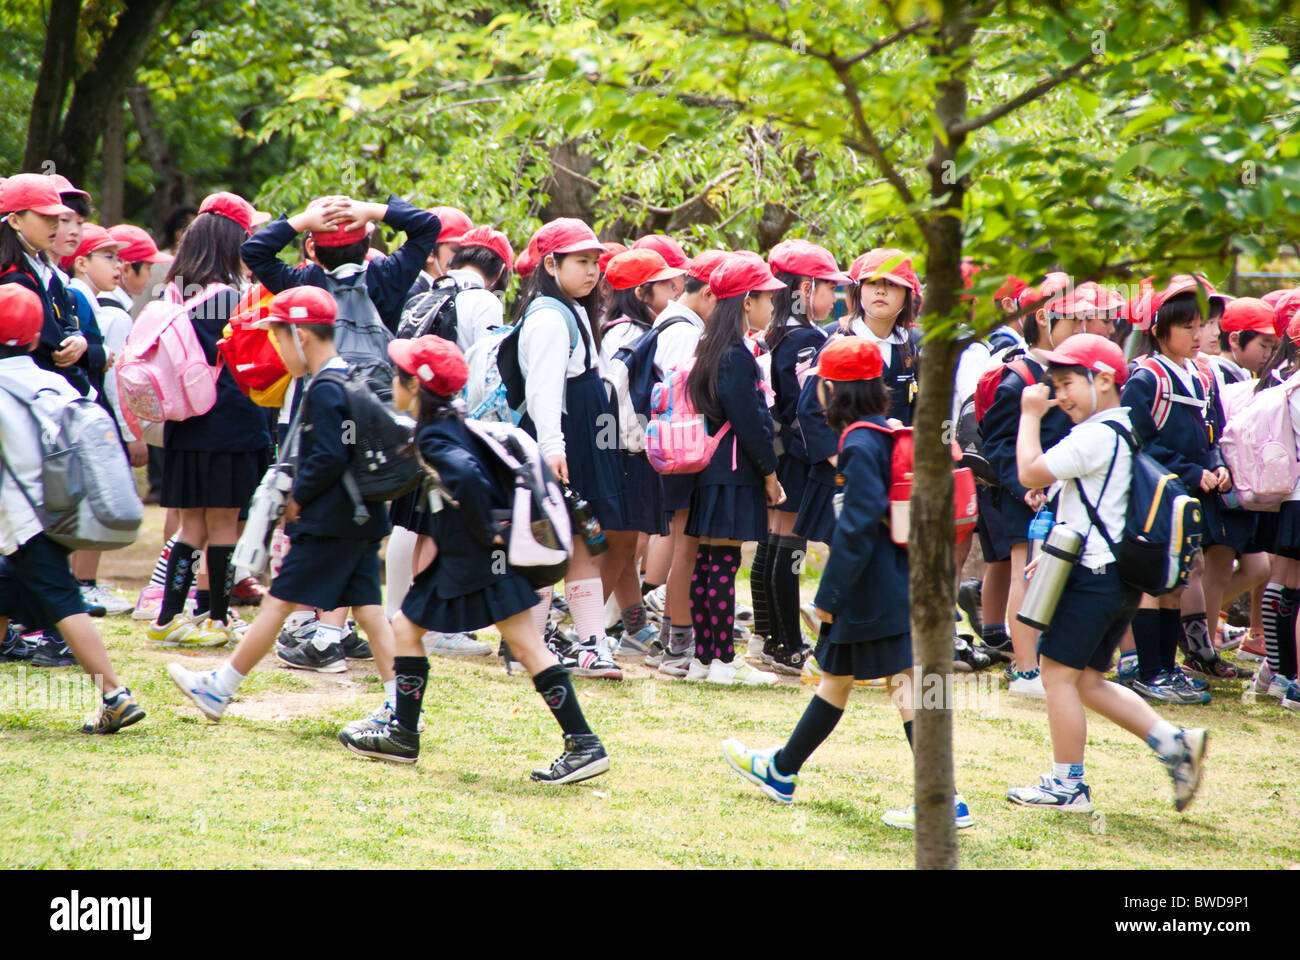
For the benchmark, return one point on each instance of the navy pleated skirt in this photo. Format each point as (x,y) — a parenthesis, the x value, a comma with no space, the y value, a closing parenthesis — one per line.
(1287,542)
(816,517)
(677,488)
(215,481)
(407,511)
(499,600)
(644,497)
(1238,528)
(1265,533)
(728,512)
(793,474)
(863,659)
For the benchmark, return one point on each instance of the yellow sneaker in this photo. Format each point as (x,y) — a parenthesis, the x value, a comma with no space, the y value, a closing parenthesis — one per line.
(811,672)
(170,633)
(207,633)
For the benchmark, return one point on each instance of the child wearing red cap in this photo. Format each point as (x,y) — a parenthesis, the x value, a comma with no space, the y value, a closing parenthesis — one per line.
(861,637)
(1096,605)
(454,224)
(732,494)
(212,463)
(36,583)
(466,587)
(334,561)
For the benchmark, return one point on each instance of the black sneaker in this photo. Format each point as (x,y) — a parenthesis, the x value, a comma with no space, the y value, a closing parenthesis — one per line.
(969,598)
(299,634)
(51,651)
(791,662)
(561,644)
(308,656)
(392,743)
(354,648)
(771,650)
(113,715)
(17,647)
(965,655)
(584,757)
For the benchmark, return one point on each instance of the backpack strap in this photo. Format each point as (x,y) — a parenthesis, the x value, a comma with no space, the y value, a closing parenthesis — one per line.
(570,318)
(1021,369)
(862,425)
(360,513)
(1093,518)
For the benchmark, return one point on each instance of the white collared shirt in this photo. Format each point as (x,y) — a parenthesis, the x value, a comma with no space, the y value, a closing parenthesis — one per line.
(1085,454)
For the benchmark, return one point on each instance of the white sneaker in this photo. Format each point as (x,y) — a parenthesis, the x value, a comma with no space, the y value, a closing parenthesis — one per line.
(454,645)
(656,599)
(808,614)
(1263,677)
(99,596)
(595,660)
(200,688)
(676,665)
(698,672)
(1029,685)
(1277,685)
(738,672)
(755,649)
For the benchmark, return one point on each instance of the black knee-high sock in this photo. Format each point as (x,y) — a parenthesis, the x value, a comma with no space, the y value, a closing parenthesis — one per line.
(1286,652)
(760,589)
(783,575)
(1196,636)
(907,729)
(700,613)
(221,580)
(556,689)
(412,677)
(816,724)
(1171,634)
(202,602)
(1146,638)
(180,576)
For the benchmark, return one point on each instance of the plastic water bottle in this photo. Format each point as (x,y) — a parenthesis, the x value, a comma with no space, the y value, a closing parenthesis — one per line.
(1039,528)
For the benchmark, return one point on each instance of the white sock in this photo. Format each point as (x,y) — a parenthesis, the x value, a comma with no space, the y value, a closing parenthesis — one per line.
(1163,738)
(612,611)
(110,695)
(399,566)
(326,635)
(1070,774)
(587,607)
(298,618)
(227,679)
(390,692)
(542,610)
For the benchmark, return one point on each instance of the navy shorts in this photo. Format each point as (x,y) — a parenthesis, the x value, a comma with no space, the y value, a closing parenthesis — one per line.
(327,573)
(36,586)
(1094,611)
(1015,516)
(993,543)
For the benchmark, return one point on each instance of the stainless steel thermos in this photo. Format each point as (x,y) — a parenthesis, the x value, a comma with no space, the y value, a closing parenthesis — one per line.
(1060,552)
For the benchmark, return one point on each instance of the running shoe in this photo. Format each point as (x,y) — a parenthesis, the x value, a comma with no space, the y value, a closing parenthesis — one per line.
(113,715)
(200,687)
(757,767)
(1051,794)
(584,757)
(391,743)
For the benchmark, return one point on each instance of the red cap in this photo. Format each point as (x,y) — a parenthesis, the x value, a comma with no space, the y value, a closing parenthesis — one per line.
(140,247)
(849,358)
(31,191)
(1091,297)
(1273,296)
(341,236)
(886,263)
(1184,283)
(806,259)
(566,235)
(701,267)
(233,207)
(1247,313)
(21,315)
(1092,352)
(1052,284)
(635,267)
(494,240)
(666,247)
(742,272)
(1285,314)
(1011,287)
(64,185)
(454,224)
(300,305)
(528,260)
(437,362)
(95,238)
(612,249)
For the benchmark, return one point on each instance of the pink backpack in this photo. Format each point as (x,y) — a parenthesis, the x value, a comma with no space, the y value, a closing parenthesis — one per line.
(1259,448)
(163,373)
(677,437)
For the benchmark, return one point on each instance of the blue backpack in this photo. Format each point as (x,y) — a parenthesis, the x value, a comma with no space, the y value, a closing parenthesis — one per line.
(1162,531)
(510,374)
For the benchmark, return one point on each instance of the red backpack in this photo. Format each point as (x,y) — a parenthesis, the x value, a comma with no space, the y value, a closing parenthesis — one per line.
(965,507)
(991,379)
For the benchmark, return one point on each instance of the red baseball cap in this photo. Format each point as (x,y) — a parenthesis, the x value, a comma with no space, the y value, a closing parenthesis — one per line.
(634,267)
(612,249)
(1273,296)
(1285,313)
(140,247)
(566,235)
(701,266)
(1248,313)
(806,259)
(494,240)
(454,224)
(1092,297)
(300,305)
(341,237)
(95,238)
(1184,283)
(849,358)
(234,207)
(666,247)
(1052,284)
(437,362)
(1092,352)
(32,191)
(21,315)
(64,185)
(527,261)
(886,263)
(1011,287)
(743,272)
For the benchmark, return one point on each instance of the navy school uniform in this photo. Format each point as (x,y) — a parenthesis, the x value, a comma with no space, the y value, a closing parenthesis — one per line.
(1186,445)
(998,429)
(816,518)
(864,584)
(59,322)
(468,586)
(37,588)
(217,459)
(728,502)
(793,464)
(333,561)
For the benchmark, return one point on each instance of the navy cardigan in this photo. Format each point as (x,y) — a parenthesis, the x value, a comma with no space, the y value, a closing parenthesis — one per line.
(749,442)
(1001,425)
(59,323)
(786,386)
(1184,445)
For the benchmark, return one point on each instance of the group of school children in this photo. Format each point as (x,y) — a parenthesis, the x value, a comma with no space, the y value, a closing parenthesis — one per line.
(801,405)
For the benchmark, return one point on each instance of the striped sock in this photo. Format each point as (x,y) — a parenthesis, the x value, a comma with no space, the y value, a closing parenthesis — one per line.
(159,578)
(1271,612)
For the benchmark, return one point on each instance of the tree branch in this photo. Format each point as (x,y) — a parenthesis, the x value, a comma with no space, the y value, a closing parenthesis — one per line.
(1026,96)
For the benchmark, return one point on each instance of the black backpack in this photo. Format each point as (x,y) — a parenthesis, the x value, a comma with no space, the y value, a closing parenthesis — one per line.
(360,336)
(431,312)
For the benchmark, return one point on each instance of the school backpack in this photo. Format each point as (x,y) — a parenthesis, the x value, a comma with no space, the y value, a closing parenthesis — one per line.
(632,375)
(987,385)
(88,495)
(1165,397)
(965,506)
(509,371)
(485,394)
(970,418)
(163,373)
(431,312)
(677,435)
(251,354)
(535,529)
(384,465)
(1258,446)
(360,336)
(1162,529)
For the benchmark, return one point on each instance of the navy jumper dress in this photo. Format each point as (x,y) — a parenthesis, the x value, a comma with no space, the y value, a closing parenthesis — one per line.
(793,464)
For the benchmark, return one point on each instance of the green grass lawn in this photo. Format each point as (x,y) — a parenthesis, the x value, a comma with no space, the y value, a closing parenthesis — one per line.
(271,787)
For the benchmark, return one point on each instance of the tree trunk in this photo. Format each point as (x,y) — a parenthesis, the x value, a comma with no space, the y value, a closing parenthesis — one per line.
(175,188)
(58,65)
(115,64)
(930,550)
(569,195)
(113,166)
